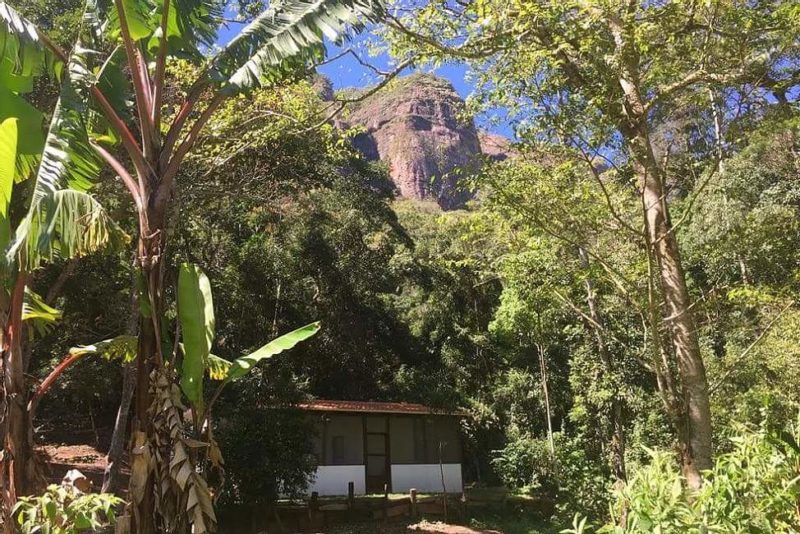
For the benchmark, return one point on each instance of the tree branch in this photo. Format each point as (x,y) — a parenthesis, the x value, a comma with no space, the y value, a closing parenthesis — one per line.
(341,104)
(174,164)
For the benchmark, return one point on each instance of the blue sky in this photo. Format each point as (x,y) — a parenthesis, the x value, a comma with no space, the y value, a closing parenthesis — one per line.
(347,72)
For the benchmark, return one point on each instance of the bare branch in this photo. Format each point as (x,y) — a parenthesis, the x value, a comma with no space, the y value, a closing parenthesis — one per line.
(351,52)
(340,104)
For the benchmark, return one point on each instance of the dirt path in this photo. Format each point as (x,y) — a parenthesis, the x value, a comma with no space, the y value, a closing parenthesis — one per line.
(444,528)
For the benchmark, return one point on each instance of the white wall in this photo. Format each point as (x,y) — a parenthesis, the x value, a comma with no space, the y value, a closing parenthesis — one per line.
(426,477)
(333,479)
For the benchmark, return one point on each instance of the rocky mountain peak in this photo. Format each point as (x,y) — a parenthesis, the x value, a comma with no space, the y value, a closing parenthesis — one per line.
(416,126)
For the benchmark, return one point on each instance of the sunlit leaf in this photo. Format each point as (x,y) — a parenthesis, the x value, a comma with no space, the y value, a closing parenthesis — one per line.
(196,316)
(241,366)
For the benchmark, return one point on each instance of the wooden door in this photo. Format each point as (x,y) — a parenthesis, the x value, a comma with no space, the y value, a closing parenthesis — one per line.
(376,453)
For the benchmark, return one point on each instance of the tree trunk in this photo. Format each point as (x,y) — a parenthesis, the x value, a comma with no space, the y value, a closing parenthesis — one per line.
(679,320)
(546,392)
(115,450)
(617,423)
(149,357)
(663,247)
(17,451)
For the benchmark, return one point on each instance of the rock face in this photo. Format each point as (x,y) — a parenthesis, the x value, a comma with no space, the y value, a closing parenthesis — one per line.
(414,125)
(495,146)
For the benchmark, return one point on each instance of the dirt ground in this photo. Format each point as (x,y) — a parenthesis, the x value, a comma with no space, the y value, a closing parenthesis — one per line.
(60,458)
(422,527)
(78,455)
(443,528)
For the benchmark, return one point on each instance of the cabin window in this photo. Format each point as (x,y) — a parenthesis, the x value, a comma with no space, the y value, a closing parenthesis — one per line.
(337,450)
(419,441)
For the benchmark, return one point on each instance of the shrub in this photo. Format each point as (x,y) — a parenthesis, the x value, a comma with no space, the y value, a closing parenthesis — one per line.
(753,488)
(574,479)
(64,510)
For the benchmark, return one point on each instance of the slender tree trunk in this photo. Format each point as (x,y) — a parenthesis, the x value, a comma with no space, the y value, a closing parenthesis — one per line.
(115,450)
(117,446)
(680,320)
(546,392)
(663,246)
(617,423)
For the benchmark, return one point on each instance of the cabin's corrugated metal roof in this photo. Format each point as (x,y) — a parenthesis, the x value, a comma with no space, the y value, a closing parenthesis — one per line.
(370,407)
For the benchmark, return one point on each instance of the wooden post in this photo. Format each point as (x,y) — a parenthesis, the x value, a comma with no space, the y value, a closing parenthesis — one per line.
(313,504)
(413,496)
(386,502)
(313,510)
(351,495)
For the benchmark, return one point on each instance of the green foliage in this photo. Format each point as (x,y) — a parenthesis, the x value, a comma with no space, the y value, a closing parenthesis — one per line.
(22,55)
(196,317)
(63,219)
(121,348)
(572,476)
(269,451)
(752,488)
(64,510)
(241,366)
(287,30)
(39,315)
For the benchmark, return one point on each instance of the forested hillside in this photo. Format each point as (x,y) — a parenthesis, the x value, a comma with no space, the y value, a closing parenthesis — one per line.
(608,300)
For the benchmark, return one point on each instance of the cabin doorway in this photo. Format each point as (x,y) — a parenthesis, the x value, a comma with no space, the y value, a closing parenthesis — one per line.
(376,448)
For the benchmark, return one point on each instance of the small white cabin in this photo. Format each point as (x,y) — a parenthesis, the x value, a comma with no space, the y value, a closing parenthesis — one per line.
(378,445)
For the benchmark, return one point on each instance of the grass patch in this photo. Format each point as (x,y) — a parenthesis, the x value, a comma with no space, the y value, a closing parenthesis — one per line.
(510,522)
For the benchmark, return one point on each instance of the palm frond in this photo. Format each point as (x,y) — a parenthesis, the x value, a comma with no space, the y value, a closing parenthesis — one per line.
(191,24)
(122,348)
(23,57)
(218,367)
(37,313)
(290,31)
(194,23)
(64,224)
(22,53)
(63,219)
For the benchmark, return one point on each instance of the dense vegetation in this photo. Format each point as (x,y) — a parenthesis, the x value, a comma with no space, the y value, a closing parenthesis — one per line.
(615,309)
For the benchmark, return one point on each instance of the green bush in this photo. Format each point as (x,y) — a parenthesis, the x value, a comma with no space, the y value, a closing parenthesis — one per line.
(753,488)
(64,510)
(574,479)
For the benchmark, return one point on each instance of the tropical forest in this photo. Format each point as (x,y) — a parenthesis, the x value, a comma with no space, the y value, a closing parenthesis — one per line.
(389,266)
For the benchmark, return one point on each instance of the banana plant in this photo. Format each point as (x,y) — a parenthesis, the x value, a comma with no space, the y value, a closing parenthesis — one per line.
(197,323)
(116,113)
(62,220)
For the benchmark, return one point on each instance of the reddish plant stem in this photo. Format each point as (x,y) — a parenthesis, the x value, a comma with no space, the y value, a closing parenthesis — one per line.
(128,140)
(161,65)
(186,146)
(179,122)
(140,80)
(127,179)
(49,380)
